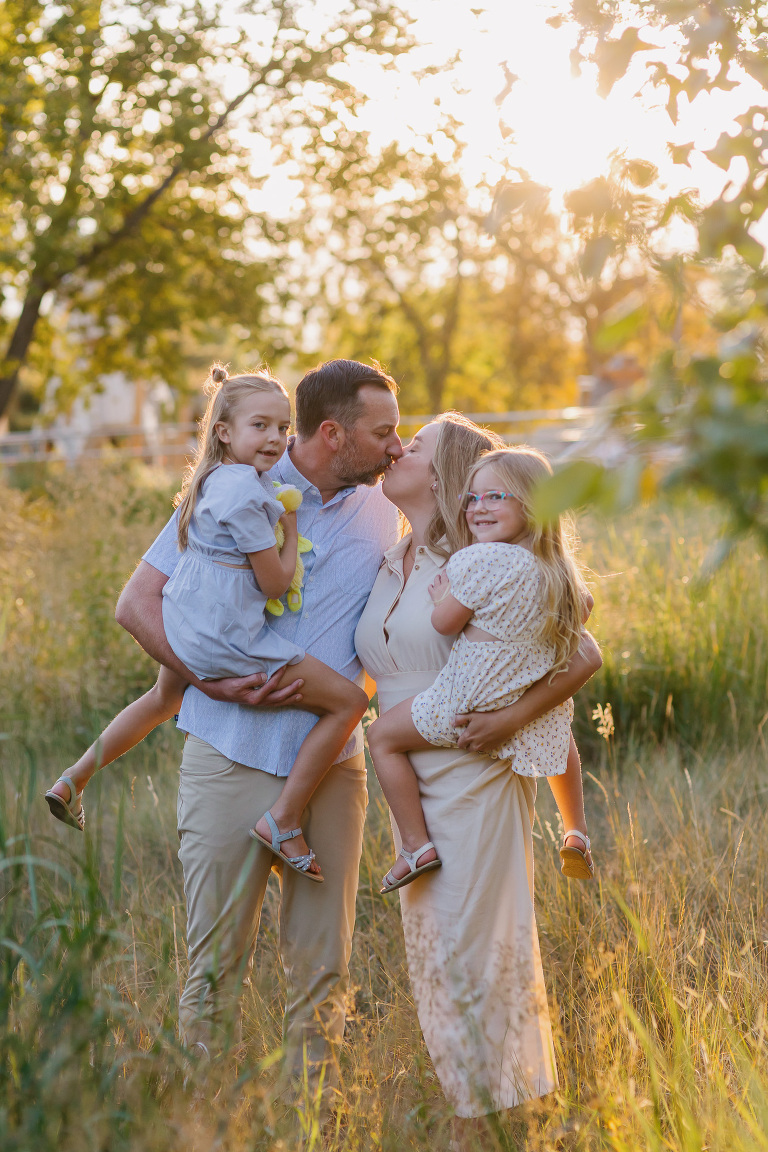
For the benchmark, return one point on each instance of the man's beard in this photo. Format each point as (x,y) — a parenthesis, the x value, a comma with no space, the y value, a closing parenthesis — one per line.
(350,469)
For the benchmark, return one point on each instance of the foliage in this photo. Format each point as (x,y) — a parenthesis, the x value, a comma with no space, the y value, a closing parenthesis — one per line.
(399,261)
(126,210)
(706,414)
(604,256)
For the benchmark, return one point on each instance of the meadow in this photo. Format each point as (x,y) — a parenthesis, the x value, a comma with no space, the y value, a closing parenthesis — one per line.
(656,973)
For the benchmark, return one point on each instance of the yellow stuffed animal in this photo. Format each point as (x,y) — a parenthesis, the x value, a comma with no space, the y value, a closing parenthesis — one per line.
(290,498)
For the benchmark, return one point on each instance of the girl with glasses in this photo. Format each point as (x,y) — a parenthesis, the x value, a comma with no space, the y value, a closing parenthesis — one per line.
(515,600)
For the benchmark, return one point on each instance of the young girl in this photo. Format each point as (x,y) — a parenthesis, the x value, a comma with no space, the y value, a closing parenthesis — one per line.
(517,602)
(213,607)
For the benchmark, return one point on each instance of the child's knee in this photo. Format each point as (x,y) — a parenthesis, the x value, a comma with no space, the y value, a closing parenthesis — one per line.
(377,736)
(166,699)
(354,702)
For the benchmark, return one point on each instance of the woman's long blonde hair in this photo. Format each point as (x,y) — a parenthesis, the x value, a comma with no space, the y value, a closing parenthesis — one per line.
(459,444)
(225,394)
(554,544)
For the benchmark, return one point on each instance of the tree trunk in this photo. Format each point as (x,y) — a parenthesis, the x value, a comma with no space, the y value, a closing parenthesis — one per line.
(435,377)
(20,342)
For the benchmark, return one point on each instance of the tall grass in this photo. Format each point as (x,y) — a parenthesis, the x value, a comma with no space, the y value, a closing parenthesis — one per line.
(684,658)
(656,973)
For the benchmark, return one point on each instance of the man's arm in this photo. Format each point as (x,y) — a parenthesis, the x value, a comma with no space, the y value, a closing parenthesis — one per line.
(140,611)
(483,731)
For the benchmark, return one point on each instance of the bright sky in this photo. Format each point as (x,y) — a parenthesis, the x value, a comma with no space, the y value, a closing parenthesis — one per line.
(563,132)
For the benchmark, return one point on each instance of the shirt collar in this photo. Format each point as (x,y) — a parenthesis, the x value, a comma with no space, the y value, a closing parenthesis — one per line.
(289,474)
(393,557)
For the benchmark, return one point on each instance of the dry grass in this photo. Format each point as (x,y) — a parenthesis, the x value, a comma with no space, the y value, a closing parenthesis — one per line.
(657,973)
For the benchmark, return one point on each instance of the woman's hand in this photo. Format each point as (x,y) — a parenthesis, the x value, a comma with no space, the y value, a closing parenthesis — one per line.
(484,731)
(439,588)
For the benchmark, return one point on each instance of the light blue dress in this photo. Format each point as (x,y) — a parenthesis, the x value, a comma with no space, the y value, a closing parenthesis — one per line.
(213,608)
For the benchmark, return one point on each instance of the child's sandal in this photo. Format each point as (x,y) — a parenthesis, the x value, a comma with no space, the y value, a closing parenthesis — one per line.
(390,883)
(575,863)
(70,811)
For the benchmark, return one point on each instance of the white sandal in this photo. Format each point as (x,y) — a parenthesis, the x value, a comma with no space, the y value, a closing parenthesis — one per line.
(65,810)
(575,863)
(298,863)
(390,882)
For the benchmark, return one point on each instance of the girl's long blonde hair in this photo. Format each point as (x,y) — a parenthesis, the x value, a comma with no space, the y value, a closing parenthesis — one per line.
(459,444)
(554,544)
(225,394)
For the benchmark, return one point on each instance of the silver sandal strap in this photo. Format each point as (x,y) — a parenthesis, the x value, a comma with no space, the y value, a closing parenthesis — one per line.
(575,832)
(279,837)
(411,857)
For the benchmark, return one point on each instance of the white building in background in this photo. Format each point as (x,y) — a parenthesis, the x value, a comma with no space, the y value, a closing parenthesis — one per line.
(118,407)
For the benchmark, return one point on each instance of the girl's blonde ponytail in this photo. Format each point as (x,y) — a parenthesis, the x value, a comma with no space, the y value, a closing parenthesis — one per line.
(225,392)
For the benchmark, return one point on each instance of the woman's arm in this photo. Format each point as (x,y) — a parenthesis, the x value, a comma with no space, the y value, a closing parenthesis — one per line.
(485,730)
(275,569)
(140,611)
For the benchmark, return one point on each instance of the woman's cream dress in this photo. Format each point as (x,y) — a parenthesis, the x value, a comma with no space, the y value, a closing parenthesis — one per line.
(470,928)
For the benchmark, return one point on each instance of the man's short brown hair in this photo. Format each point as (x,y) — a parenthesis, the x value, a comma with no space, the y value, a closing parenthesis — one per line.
(330,392)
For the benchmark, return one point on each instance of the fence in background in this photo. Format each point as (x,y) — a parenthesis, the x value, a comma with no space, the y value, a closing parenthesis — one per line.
(558,432)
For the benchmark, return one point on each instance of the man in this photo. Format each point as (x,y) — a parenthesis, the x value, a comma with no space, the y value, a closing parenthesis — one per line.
(238,752)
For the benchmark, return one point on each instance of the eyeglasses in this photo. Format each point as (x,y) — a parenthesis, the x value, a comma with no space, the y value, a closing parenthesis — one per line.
(491,499)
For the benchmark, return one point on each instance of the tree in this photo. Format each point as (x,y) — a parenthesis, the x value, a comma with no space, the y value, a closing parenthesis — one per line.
(711,406)
(401,262)
(603,258)
(126,168)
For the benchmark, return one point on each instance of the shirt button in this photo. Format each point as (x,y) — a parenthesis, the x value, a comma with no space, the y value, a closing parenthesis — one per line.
(416,567)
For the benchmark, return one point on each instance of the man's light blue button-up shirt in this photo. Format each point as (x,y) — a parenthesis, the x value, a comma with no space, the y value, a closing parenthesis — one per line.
(349,535)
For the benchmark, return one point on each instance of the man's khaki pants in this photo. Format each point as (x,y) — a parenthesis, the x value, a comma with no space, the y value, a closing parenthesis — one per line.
(225,878)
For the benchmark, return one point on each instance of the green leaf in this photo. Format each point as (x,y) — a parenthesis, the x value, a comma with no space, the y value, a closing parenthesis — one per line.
(571,486)
(724,151)
(613,57)
(622,322)
(680,153)
(594,200)
(756,64)
(642,173)
(593,257)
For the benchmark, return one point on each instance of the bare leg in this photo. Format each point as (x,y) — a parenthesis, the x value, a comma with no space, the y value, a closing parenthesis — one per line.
(569,796)
(127,729)
(390,738)
(340,704)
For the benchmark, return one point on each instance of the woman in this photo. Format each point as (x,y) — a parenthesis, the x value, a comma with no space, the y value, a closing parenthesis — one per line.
(470,929)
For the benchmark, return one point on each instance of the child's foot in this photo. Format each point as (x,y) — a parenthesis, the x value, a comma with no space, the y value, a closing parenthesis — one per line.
(409,865)
(576,856)
(64,802)
(285,844)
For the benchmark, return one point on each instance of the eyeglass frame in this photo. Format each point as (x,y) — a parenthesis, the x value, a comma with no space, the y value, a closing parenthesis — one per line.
(477,500)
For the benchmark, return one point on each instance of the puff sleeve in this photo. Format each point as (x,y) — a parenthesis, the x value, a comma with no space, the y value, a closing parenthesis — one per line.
(251,516)
(477,573)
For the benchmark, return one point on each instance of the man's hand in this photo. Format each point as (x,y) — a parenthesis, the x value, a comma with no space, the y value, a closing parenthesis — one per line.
(482,731)
(140,611)
(253,691)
